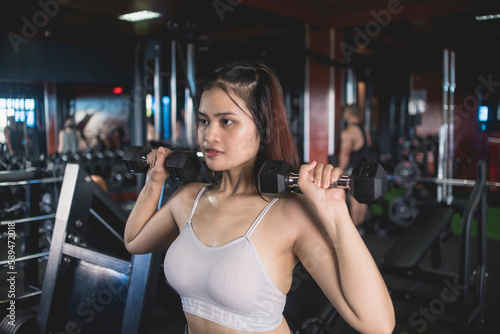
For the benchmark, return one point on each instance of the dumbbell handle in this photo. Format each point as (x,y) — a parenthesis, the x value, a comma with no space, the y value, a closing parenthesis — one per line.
(367,182)
(343,182)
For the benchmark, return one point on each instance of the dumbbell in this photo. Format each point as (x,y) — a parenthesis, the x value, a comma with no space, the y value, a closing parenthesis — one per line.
(368,181)
(182,165)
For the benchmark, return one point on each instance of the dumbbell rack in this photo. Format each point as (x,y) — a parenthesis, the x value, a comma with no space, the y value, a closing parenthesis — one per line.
(26,265)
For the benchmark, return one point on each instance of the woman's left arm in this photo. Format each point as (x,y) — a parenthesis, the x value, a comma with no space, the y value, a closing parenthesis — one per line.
(336,256)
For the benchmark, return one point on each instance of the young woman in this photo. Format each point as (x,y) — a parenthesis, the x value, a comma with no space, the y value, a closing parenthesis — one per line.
(232,250)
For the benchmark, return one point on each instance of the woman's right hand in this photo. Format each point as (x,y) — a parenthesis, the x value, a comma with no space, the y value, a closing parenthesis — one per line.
(156,160)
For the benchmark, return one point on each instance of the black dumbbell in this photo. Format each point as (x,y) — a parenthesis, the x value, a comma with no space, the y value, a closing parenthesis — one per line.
(182,165)
(368,181)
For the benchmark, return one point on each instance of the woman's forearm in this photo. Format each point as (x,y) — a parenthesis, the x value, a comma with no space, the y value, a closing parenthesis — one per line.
(145,206)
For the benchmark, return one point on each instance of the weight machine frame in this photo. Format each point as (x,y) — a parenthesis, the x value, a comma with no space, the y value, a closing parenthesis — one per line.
(80,198)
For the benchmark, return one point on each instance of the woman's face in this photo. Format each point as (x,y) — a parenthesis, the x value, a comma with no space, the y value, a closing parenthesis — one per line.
(69,123)
(227,136)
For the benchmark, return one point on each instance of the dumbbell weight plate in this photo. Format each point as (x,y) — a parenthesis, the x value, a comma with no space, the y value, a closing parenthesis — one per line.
(404,147)
(368,183)
(407,170)
(25,323)
(273,179)
(135,158)
(402,211)
(182,165)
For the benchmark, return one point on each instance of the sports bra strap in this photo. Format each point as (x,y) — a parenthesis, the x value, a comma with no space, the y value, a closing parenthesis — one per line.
(195,204)
(259,218)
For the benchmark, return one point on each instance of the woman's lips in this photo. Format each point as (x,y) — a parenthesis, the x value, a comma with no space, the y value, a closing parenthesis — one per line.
(210,152)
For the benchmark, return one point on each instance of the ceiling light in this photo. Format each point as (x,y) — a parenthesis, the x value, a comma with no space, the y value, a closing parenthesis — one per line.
(488,17)
(139,16)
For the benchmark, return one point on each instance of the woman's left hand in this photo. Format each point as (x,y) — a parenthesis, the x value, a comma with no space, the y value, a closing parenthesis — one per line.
(315,180)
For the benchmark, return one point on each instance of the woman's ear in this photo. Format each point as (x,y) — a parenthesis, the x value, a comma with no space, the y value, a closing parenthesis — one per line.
(262,146)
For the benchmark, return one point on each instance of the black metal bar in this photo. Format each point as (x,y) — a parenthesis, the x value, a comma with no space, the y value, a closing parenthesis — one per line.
(37,181)
(482,252)
(31,237)
(58,235)
(96,258)
(173,93)
(28,219)
(27,295)
(455,182)
(105,224)
(138,117)
(140,297)
(469,213)
(25,258)
(451,126)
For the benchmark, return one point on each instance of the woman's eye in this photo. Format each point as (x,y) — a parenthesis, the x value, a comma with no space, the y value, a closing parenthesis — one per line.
(227,121)
(202,121)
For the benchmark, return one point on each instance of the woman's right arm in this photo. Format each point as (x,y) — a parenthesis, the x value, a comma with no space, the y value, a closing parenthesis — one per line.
(149,229)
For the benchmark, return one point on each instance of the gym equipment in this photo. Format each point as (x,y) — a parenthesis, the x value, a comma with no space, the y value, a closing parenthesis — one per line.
(403,211)
(24,210)
(407,173)
(427,234)
(92,284)
(182,165)
(25,323)
(368,181)
(406,145)
(446,130)
(450,182)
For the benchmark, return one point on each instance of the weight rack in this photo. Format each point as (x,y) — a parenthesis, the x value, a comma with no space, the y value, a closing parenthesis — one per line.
(91,282)
(26,186)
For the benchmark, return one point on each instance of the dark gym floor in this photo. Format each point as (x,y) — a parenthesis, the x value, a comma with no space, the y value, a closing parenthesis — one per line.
(165,322)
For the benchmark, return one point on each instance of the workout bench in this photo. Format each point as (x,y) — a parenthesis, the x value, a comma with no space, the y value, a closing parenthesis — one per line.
(426,235)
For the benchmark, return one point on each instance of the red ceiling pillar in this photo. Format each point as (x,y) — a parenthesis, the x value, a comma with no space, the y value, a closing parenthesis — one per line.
(323,92)
(50,100)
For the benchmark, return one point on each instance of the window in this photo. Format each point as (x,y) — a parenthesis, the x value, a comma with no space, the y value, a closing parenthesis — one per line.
(23,110)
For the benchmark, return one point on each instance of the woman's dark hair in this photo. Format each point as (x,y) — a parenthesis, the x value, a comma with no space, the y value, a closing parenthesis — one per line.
(259,87)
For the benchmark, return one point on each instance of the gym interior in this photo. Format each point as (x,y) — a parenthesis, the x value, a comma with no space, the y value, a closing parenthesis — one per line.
(425,75)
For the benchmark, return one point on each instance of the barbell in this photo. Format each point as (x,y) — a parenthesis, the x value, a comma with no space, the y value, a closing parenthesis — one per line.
(408,174)
(445,181)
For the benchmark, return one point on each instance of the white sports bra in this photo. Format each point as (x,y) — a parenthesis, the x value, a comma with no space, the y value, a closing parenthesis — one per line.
(226,284)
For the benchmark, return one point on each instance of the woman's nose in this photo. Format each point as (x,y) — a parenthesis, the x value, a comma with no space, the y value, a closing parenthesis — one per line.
(212,133)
